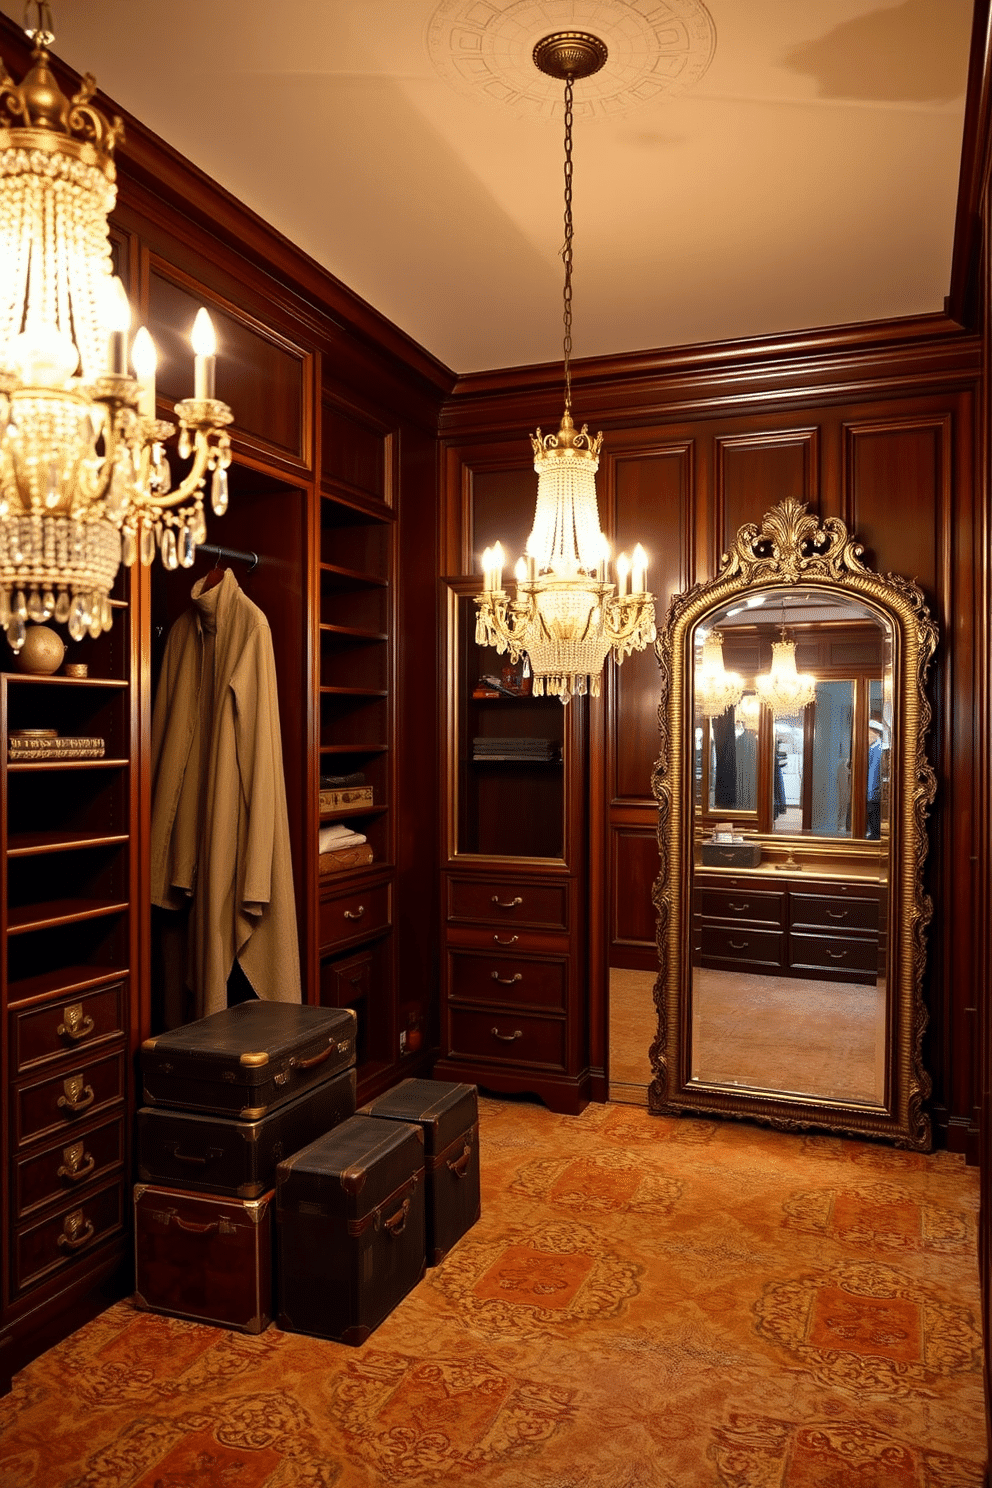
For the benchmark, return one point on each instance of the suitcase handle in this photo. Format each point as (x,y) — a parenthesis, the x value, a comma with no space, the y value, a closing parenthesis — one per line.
(460,1165)
(397,1224)
(190,1226)
(332,1048)
(190,1157)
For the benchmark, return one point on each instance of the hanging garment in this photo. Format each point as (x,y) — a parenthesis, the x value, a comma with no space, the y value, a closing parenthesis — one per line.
(220,830)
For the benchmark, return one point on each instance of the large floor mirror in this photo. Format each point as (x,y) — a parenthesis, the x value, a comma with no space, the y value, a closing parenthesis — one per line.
(792,788)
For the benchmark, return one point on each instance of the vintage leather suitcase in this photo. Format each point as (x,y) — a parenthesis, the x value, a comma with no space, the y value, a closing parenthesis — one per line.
(448,1114)
(222,1155)
(203,1257)
(350,1228)
(248,1059)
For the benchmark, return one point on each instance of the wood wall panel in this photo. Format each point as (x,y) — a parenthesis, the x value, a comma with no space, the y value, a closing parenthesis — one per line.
(896,498)
(649,498)
(755,471)
(500,509)
(634,870)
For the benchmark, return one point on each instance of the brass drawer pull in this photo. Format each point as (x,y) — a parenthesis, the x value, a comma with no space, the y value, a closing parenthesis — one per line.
(836,955)
(837,914)
(735,946)
(508,981)
(738,908)
(460,1164)
(512,904)
(508,1038)
(512,940)
(76,1164)
(74,1025)
(76,1097)
(76,1232)
(355,914)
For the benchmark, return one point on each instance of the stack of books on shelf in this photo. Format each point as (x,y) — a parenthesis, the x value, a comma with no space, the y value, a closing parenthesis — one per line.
(340,848)
(344,790)
(26,746)
(542,751)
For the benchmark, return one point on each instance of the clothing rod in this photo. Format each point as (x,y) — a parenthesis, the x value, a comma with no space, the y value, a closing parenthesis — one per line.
(218,552)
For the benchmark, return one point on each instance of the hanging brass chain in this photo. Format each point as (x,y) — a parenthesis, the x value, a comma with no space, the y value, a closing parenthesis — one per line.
(566,252)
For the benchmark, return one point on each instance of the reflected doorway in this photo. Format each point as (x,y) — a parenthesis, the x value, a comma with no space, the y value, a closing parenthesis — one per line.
(633,1025)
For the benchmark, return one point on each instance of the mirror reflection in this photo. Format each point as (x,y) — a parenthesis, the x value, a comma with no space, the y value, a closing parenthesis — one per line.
(792,727)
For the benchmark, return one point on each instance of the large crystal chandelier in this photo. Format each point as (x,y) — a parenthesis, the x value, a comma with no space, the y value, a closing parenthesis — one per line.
(782,689)
(84,480)
(716,689)
(565,614)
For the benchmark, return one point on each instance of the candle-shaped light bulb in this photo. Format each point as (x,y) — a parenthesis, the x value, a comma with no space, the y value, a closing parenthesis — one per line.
(520,572)
(640,565)
(117,315)
(144,360)
(604,556)
(205,346)
(499,558)
(487,569)
(623,569)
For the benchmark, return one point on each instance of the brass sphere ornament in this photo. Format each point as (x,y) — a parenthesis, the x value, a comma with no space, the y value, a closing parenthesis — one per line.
(43,651)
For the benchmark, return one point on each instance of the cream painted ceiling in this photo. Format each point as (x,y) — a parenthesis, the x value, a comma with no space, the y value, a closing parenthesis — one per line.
(741,167)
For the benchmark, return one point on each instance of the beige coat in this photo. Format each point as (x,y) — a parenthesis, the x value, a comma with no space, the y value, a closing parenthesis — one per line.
(220,831)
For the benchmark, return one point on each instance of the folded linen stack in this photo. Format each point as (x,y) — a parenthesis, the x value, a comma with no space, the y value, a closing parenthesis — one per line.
(544,751)
(339,848)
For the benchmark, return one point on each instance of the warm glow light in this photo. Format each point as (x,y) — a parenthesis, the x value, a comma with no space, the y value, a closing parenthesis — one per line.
(203,336)
(117,311)
(144,357)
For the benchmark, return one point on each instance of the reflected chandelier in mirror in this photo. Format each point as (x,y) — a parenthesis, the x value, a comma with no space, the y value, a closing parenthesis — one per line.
(791,915)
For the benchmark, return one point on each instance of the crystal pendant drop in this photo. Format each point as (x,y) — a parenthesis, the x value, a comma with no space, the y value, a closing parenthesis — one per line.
(147,546)
(62,606)
(187,547)
(185,447)
(170,558)
(77,628)
(96,615)
(20,606)
(4,609)
(218,491)
(48,604)
(16,633)
(198,526)
(129,548)
(106,613)
(36,610)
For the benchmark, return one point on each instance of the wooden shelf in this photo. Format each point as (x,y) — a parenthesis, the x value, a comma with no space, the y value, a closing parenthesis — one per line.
(355,576)
(354,748)
(353,632)
(66,981)
(32,679)
(29,844)
(357,692)
(334,813)
(23,918)
(69,764)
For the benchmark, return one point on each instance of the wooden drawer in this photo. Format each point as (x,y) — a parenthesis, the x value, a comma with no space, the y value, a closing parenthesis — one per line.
(834,913)
(69,1167)
(348,916)
(63,1100)
(61,1027)
(830,953)
(510,901)
(501,1037)
(743,904)
(507,979)
(513,939)
(68,1235)
(730,944)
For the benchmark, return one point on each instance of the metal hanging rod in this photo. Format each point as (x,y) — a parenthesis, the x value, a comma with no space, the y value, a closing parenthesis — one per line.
(218,552)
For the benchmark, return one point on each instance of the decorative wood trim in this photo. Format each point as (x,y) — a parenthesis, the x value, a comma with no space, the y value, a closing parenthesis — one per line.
(806,439)
(964,300)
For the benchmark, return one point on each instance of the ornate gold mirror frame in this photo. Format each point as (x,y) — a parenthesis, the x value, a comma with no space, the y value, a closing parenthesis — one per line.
(793,550)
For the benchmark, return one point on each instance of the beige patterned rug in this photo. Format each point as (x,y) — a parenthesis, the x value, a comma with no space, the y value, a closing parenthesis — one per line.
(645,1303)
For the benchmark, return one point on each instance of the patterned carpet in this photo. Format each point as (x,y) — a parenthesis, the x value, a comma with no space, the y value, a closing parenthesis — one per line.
(645,1303)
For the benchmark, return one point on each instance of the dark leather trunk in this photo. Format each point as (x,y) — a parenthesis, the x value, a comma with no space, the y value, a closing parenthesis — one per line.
(214,1154)
(202,1257)
(245,1061)
(350,1218)
(448,1114)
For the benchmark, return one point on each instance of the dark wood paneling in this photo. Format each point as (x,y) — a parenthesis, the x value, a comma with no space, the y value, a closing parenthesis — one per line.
(896,494)
(501,509)
(354,452)
(635,859)
(756,471)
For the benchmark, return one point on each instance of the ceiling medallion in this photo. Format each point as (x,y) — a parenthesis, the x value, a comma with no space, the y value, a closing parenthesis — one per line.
(486,49)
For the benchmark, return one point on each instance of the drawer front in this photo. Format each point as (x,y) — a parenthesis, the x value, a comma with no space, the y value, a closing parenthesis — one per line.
(70,1166)
(71,1234)
(747,947)
(514,940)
(541,906)
(63,1100)
(506,1038)
(834,913)
(350,915)
(831,953)
(58,1028)
(507,979)
(743,904)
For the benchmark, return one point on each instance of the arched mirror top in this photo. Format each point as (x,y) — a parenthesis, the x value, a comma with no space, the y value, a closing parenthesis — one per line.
(792,788)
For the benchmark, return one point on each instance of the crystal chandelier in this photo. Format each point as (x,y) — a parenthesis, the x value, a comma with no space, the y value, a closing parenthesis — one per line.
(565,614)
(782,689)
(84,479)
(715,688)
